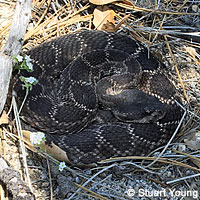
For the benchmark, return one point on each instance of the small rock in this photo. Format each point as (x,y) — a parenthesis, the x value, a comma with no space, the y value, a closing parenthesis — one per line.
(65,185)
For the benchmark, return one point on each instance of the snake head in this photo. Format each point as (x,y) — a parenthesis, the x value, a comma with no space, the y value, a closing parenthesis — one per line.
(133,105)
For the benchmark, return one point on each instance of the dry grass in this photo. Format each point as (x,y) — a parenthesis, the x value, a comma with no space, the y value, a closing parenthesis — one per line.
(170,29)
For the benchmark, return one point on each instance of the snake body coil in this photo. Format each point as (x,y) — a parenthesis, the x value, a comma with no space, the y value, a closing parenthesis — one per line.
(100,95)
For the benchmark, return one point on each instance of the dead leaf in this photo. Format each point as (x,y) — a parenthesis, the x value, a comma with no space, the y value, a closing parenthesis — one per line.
(102,2)
(103,15)
(52,150)
(4,118)
(109,27)
(121,22)
(195,8)
(193,54)
(193,142)
(191,51)
(26,139)
(127,4)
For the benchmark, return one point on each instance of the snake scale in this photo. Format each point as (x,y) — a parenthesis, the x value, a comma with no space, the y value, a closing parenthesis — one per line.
(100,95)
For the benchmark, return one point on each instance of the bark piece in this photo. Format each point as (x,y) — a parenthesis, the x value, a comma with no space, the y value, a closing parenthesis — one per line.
(12,179)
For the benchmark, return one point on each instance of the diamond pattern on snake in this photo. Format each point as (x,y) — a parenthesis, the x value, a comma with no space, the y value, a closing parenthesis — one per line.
(100,95)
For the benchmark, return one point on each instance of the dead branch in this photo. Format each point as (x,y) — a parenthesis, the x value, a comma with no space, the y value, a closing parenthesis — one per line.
(13,46)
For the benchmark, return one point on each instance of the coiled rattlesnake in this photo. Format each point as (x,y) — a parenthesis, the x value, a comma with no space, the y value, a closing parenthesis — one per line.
(100,95)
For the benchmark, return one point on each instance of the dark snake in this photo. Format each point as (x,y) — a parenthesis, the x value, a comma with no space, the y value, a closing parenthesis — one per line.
(100,95)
